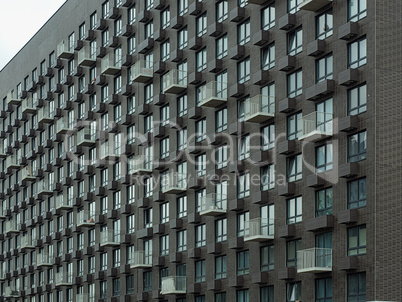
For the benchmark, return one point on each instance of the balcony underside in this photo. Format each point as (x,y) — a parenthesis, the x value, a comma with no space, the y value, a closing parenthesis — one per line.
(174,190)
(259,238)
(315,136)
(175,89)
(142,77)
(213,102)
(259,117)
(87,62)
(213,211)
(315,269)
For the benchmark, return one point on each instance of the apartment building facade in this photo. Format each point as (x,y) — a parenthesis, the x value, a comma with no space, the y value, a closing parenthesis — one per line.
(209,150)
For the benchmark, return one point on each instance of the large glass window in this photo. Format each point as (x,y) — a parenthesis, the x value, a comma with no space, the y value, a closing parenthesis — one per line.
(293,292)
(268,17)
(201,59)
(357,193)
(221,11)
(242,295)
(324,25)
(222,47)
(357,53)
(324,158)
(294,168)
(243,185)
(293,6)
(294,210)
(323,202)
(220,230)
(357,100)
(268,57)
(201,24)
(291,252)
(357,146)
(220,267)
(295,84)
(268,177)
(243,32)
(242,263)
(323,290)
(295,42)
(267,256)
(294,126)
(357,287)
(243,71)
(243,147)
(324,68)
(221,157)
(182,38)
(200,235)
(357,10)
(200,271)
(268,137)
(357,240)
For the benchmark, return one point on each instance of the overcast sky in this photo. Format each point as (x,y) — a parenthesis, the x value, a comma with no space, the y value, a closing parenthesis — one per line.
(19,21)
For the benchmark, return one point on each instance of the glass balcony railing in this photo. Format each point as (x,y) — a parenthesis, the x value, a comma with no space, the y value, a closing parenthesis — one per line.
(111,64)
(85,218)
(63,125)
(44,259)
(64,50)
(314,260)
(213,94)
(85,298)
(174,183)
(63,202)
(313,5)
(86,137)
(12,162)
(259,229)
(173,285)
(45,114)
(13,98)
(26,174)
(64,279)
(213,204)
(259,109)
(175,81)
(141,259)
(141,164)
(86,56)
(11,226)
(142,71)
(316,126)
(27,242)
(110,238)
(28,105)
(11,292)
(43,187)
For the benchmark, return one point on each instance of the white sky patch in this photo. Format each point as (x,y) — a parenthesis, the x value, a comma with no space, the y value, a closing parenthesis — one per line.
(19,21)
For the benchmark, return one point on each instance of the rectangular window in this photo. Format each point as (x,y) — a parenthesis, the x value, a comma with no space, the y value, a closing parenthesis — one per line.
(182,207)
(201,24)
(324,25)
(221,120)
(130,285)
(268,17)
(200,271)
(357,53)
(324,68)
(357,147)
(357,240)
(291,252)
(357,193)
(323,290)
(295,42)
(201,130)
(243,33)
(220,267)
(268,57)
(182,139)
(294,168)
(242,218)
(268,137)
(293,292)
(147,279)
(267,256)
(201,59)
(323,202)
(182,105)
(222,47)
(268,177)
(357,10)
(294,210)
(182,240)
(164,245)
(164,212)
(324,158)
(243,185)
(295,84)
(357,287)
(200,235)
(357,100)
(165,51)
(131,224)
(242,263)
(221,157)
(220,230)
(165,18)
(182,7)
(201,165)
(182,38)
(243,71)
(243,150)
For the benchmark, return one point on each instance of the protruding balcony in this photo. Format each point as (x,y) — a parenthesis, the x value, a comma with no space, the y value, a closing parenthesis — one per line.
(213,94)
(141,164)
(26,174)
(109,238)
(44,259)
(3,149)
(175,81)
(2,275)
(213,204)
(259,109)
(44,187)
(313,5)
(107,151)
(45,114)
(13,98)
(63,203)
(27,242)
(142,71)
(85,218)
(259,229)
(316,126)
(141,259)
(63,125)
(84,298)
(87,56)
(174,183)
(11,226)
(86,136)
(12,162)
(65,50)
(64,279)
(173,285)
(314,260)
(28,105)
(11,292)
(111,64)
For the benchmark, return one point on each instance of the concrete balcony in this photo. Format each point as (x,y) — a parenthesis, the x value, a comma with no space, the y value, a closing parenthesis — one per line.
(28,105)
(213,94)
(87,56)
(65,50)
(213,204)
(314,260)
(63,203)
(141,259)
(11,226)
(86,136)
(63,279)
(12,162)
(141,164)
(111,64)
(85,219)
(313,5)
(259,229)
(316,126)
(43,187)
(11,292)
(13,98)
(45,115)
(3,149)
(175,81)
(27,242)
(173,285)
(142,71)
(259,109)
(44,259)
(109,238)
(107,151)
(174,183)
(63,125)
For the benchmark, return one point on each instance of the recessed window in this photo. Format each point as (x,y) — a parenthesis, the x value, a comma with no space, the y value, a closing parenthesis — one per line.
(182,207)
(323,289)
(147,281)
(357,193)
(243,33)
(132,13)
(294,210)
(357,240)
(357,100)
(201,130)
(149,30)
(357,147)
(242,263)
(201,59)
(267,177)
(357,10)
(221,120)
(200,235)
(243,71)
(295,42)
(324,25)
(243,147)
(165,51)
(221,11)
(294,168)
(118,26)
(242,3)
(268,137)
(149,4)
(164,245)
(268,17)
(201,165)
(291,252)
(201,24)
(294,126)
(182,240)
(221,157)
(295,84)
(222,47)
(221,230)
(268,57)
(182,38)
(182,7)
(324,68)
(165,18)
(357,53)
(242,218)
(200,271)
(324,158)
(93,20)
(220,267)
(293,6)
(293,292)
(164,212)
(267,255)
(357,287)
(182,139)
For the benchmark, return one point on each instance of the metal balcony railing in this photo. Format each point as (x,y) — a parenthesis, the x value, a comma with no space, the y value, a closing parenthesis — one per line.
(174,183)
(85,218)
(142,71)
(175,81)
(110,238)
(213,94)
(111,64)
(316,126)
(314,260)
(141,259)
(259,109)
(259,229)
(173,285)
(213,204)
